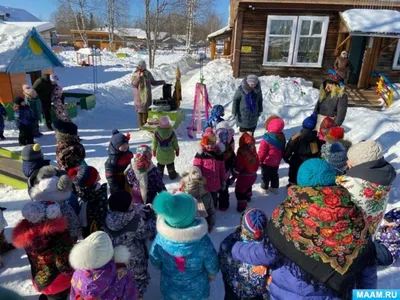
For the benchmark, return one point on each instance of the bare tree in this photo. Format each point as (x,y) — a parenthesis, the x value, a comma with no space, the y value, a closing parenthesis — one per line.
(191,6)
(111,22)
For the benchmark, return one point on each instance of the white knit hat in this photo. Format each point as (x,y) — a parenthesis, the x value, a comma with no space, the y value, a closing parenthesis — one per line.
(363,152)
(93,252)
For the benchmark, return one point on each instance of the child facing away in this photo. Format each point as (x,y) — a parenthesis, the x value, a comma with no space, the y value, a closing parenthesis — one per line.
(92,197)
(57,99)
(100,271)
(245,171)
(369,180)
(335,134)
(32,161)
(5,246)
(270,154)
(44,235)
(3,114)
(301,147)
(326,125)
(217,112)
(182,250)
(119,157)
(165,147)
(132,225)
(144,179)
(193,183)
(337,158)
(210,160)
(25,121)
(241,280)
(224,134)
(32,99)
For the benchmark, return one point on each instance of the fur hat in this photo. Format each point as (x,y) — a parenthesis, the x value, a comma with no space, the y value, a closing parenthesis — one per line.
(96,251)
(32,152)
(120,201)
(83,176)
(275,125)
(65,127)
(142,65)
(316,172)
(310,122)
(335,133)
(118,139)
(51,185)
(365,151)
(164,122)
(38,211)
(178,210)
(18,100)
(338,156)
(252,79)
(254,222)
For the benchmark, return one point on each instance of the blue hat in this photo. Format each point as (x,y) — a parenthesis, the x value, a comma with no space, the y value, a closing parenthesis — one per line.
(218,111)
(316,172)
(178,210)
(338,156)
(254,223)
(310,122)
(118,139)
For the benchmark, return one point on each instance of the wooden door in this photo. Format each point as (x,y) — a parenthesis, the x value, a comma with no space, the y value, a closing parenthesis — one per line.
(371,56)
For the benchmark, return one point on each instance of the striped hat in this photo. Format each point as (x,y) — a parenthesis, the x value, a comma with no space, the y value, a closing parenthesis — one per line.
(254,222)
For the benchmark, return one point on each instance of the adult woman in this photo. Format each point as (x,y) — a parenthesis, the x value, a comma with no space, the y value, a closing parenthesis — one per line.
(247,104)
(142,80)
(332,103)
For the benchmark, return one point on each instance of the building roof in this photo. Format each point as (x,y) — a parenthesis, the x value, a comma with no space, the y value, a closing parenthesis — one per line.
(17,14)
(221,33)
(132,33)
(40,26)
(23,50)
(372,22)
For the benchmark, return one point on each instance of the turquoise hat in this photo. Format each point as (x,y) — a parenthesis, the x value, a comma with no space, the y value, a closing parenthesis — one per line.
(316,172)
(178,210)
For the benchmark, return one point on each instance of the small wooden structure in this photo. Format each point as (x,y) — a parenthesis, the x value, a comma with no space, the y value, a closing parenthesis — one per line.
(224,34)
(28,56)
(93,57)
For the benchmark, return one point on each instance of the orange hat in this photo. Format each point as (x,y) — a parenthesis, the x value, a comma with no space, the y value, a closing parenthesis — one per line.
(208,137)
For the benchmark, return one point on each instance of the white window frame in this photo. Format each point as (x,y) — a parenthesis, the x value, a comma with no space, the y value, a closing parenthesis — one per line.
(292,40)
(324,32)
(396,57)
(295,40)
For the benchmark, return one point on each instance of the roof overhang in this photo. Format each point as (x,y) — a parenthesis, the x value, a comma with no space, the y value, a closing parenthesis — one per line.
(220,34)
(372,22)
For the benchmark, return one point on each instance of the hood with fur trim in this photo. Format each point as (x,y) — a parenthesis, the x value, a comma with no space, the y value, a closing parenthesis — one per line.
(219,148)
(181,241)
(52,189)
(336,91)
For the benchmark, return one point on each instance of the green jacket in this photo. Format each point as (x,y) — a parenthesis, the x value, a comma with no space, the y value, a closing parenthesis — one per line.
(165,143)
(44,88)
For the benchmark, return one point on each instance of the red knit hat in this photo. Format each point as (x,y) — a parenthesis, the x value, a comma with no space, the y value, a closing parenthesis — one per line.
(336,133)
(83,176)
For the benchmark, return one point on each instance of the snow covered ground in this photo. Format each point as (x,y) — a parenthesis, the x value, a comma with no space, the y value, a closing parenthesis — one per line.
(291,98)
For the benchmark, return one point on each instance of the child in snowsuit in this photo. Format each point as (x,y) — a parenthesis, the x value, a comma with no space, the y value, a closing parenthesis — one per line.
(5,246)
(92,197)
(182,250)
(32,99)
(209,158)
(100,271)
(57,99)
(32,161)
(241,280)
(225,135)
(44,235)
(165,147)
(132,225)
(217,112)
(119,157)
(193,183)
(301,146)
(53,185)
(245,172)
(3,114)
(335,134)
(270,154)
(25,120)
(70,153)
(369,180)
(143,177)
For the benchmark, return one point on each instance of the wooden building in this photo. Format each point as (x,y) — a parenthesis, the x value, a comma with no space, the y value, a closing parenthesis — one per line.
(24,57)
(303,38)
(97,39)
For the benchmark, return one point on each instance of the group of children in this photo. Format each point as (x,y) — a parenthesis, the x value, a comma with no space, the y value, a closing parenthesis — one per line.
(111,261)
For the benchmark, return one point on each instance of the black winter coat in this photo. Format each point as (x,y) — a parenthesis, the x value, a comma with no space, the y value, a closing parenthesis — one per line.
(115,166)
(335,107)
(44,88)
(301,147)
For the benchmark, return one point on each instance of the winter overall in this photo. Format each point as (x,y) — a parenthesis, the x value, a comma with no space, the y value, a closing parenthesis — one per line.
(36,106)
(166,143)
(24,119)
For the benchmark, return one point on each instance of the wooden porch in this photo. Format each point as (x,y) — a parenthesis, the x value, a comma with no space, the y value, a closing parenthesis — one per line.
(367,98)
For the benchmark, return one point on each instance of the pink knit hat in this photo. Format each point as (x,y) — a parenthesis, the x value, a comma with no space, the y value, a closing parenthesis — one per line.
(164,122)
(275,125)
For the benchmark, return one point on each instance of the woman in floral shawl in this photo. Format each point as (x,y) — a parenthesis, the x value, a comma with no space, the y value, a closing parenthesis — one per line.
(142,80)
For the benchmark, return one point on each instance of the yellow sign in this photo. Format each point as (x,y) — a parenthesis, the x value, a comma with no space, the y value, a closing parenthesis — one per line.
(246,49)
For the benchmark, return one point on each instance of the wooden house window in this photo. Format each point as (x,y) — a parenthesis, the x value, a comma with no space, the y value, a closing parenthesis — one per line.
(295,41)
(396,62)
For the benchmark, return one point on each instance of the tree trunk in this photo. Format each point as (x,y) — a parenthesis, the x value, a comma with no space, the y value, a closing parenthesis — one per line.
(111,22)
(189,26)
(82,15)
(148,33)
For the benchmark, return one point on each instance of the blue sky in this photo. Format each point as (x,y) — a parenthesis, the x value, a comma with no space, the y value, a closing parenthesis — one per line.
(43,8)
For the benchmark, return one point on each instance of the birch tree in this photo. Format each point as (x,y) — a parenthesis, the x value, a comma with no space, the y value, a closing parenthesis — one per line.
(111,22)
(80,9)
(191,4)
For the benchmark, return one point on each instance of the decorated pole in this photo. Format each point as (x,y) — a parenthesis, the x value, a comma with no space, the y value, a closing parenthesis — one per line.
(178,88)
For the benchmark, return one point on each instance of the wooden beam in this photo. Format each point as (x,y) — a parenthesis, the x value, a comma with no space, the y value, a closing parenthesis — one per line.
(213,49)
(390,44)
(238,43)
(342,43)
(348,44)
(339,43)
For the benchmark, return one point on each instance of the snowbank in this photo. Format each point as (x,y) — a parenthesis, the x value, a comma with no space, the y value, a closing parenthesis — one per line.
(11,38)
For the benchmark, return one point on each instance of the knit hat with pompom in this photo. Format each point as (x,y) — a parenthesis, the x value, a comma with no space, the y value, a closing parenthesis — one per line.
(337,157)
(178,210)
(118,139)
(254,222)
(365,151)
(83,176)
(310,122)
(32,152)
(316,172)
(38,211)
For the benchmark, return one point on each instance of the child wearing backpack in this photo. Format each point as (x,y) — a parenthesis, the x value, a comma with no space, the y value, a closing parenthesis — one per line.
(165,147)
(270,154)
(3,114)
(25,120)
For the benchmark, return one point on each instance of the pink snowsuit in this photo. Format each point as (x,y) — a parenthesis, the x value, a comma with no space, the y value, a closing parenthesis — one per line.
(270,154)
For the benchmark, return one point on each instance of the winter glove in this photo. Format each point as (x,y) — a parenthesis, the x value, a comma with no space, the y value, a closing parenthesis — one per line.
(223,186)
(177,152)
(154,153)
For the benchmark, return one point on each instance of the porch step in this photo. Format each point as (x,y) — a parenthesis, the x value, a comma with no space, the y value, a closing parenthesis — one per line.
(363,98)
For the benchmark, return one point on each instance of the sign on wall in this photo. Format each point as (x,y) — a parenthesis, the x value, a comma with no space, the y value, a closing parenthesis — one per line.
(246,49)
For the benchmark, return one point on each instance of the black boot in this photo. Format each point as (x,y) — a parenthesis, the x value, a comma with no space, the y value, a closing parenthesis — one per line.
(2,137)
(171,171)
(161,168)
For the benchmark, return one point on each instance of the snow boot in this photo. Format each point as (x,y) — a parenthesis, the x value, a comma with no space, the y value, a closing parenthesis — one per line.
(2,137)
(274,191)
(264,191)
(161,168)
(171,171)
